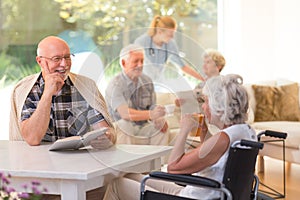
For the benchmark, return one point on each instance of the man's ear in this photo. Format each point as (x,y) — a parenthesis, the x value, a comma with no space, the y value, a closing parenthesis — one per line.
(123,63)
(38,59)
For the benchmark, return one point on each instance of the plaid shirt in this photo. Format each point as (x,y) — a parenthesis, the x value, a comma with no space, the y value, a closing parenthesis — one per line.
(70,113)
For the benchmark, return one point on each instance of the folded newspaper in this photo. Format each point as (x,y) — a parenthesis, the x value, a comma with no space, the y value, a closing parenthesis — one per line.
(189,103)
(77,142)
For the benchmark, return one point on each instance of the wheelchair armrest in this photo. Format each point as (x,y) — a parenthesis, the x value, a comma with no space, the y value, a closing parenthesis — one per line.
(271,133)
(186,179)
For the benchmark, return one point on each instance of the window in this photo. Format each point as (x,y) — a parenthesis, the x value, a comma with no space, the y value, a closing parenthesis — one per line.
(99,26)
(102,27)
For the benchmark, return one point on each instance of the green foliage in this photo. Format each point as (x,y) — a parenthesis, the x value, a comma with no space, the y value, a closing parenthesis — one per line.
(108,18)
(2,82)
(11,70)
(112,24)
(19,72)
(6,63)
(112,68)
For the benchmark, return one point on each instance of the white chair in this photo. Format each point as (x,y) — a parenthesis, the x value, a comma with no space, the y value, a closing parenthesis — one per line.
(88,64)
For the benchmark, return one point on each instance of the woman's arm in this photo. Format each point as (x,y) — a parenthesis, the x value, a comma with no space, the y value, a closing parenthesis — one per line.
(206,154)
(187,69)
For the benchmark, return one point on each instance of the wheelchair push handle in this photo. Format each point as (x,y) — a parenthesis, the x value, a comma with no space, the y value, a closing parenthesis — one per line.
(271,133)
(276,134)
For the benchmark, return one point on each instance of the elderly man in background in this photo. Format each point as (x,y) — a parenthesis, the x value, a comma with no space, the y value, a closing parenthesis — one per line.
(132,102)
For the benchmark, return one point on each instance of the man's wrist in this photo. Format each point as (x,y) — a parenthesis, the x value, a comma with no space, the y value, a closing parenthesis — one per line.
(149,116)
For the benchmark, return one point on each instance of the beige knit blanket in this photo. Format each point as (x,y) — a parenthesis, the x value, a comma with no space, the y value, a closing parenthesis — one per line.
(87,88)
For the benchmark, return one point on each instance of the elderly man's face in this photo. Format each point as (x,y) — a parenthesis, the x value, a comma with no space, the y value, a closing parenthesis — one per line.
(54,57)
(133,66)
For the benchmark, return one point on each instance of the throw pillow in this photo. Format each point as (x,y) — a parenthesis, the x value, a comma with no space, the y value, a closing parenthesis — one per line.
(279,103)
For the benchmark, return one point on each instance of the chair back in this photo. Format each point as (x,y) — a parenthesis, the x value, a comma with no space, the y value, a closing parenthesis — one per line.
(240,167)
(88,64)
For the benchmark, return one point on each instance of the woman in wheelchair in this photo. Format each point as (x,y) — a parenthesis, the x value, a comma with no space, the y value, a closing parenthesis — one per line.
(225,106)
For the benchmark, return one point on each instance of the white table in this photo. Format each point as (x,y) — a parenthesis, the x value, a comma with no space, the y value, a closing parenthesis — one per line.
(72,173)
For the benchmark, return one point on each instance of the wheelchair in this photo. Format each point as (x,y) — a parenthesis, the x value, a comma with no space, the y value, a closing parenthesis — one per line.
(239,181)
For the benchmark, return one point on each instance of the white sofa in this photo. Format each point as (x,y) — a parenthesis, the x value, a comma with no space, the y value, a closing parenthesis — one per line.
(274,105)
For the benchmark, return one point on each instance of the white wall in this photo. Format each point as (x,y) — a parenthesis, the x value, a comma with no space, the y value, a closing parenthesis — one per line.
(5,94)
(260,39)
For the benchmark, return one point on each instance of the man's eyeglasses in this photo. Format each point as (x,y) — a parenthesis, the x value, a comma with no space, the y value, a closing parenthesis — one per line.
(58,59)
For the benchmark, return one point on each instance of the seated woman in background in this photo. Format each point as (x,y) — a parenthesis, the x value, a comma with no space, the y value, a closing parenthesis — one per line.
(225,106)
(213,64)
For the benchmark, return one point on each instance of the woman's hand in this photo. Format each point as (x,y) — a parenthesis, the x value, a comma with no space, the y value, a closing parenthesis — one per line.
(187,123)
(193,121)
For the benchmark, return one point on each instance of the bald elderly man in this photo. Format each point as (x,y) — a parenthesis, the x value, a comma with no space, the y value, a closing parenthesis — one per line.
(56,103)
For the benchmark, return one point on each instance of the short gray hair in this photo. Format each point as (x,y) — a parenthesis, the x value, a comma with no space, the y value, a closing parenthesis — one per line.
(227,98)
(125,52)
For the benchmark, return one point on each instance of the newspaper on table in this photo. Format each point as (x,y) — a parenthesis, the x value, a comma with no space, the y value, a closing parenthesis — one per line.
(77,142)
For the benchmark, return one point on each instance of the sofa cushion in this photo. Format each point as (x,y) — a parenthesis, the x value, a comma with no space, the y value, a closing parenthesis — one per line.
(165,98)
(250,91)
(291,128)
(277,103)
